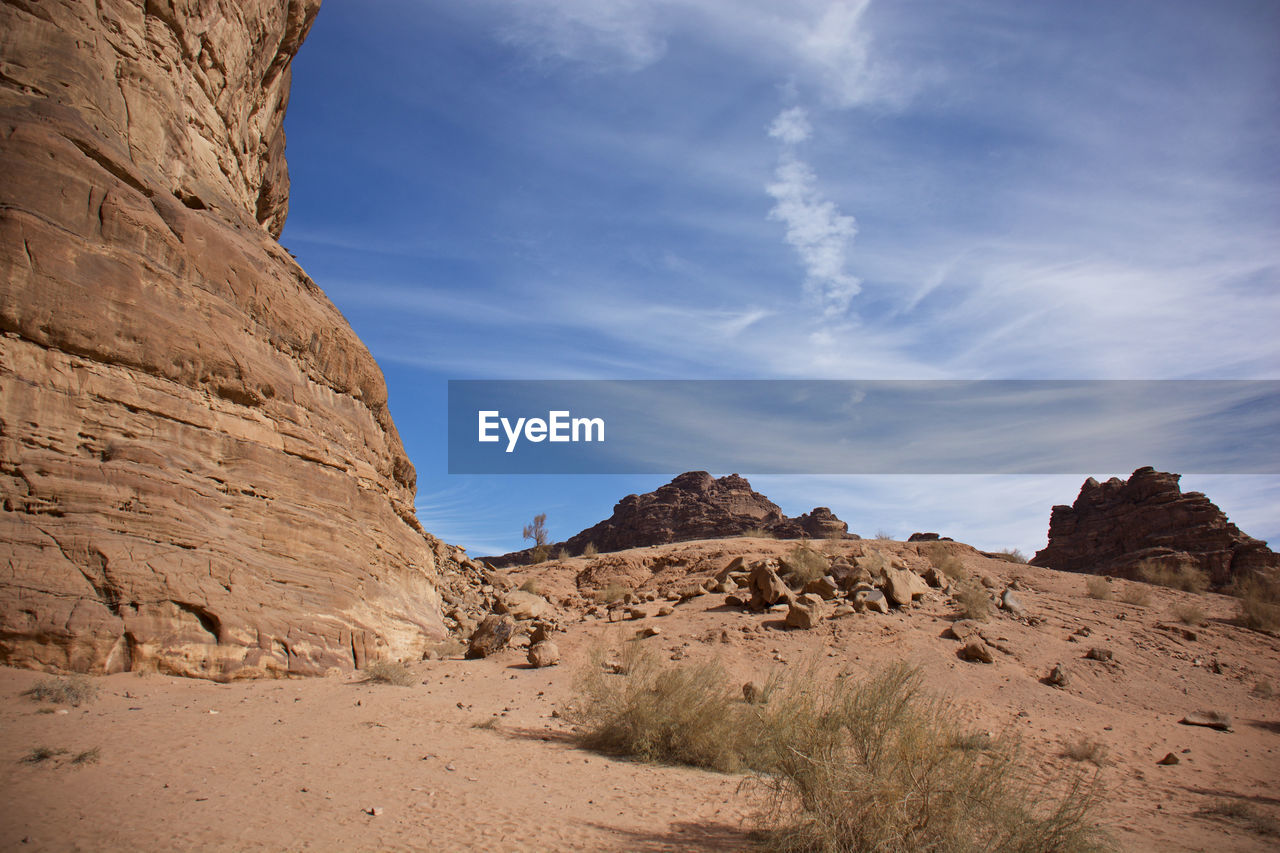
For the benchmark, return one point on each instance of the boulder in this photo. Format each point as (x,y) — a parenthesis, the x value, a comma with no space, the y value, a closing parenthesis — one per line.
(825,587)
(491,637)
(1211,719)
(901,586)
(1057,676)
(521,605)
(978,651)
(871,599)
(767,589)
(1010,603)
(805,611)
(545,653)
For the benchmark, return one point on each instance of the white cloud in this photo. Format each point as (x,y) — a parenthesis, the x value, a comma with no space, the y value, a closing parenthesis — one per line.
(816,228)
(600,33)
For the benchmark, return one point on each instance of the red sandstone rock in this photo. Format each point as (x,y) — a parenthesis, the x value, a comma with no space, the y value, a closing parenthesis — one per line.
(1115,527)
(198,469)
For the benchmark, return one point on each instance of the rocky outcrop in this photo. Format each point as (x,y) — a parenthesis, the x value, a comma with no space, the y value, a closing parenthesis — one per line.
(694,505)
(198,468)
(1117,527)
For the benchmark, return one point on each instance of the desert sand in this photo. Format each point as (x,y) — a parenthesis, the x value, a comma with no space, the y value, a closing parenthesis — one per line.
(476,754)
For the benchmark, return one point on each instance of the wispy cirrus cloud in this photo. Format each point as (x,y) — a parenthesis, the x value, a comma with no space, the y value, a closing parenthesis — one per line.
(820,234)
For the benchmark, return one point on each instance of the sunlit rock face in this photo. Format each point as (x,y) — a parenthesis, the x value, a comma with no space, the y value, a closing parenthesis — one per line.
(198,468)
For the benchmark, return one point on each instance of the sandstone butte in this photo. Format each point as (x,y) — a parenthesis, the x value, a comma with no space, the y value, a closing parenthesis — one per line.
(198,468)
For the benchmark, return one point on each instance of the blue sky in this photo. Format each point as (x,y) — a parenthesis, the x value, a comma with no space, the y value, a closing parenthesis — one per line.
(729,189)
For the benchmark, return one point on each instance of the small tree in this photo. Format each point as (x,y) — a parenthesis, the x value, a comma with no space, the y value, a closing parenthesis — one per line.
(538,533)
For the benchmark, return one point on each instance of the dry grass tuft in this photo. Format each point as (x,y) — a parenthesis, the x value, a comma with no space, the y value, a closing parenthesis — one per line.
(848,766)
(1099,587)
(1259,603)
(944,561)
(591,550)
(1263,689)
(389,672)
(803,564)
(89,756)
(612,592)
(1186,578)
(973,600)
(1244,814)
(530,585)
(1011,555)
(1188,613)
(75,690)
(1084,749)
(1136,594)
(41,754)
(757,533)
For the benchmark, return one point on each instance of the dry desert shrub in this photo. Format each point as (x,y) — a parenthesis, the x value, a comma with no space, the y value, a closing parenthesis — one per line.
(847,765)
(530,585)
(1098,587)
(757,533)
(612,592)
(41,754)
(884,534)
(804,564)
(1136,594)
(1188,613)
(944,561)
(1263,689)
(1186,578)
(1242,813)
(1259,603)
(973,600)
(1011,555)
(75,690)
(89,756)
(591,550)
(562,554)
(1084,749)
(389,672)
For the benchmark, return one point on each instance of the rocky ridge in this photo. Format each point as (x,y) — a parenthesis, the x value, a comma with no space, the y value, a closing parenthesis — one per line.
(198,468)
(1121,527)
(692,506)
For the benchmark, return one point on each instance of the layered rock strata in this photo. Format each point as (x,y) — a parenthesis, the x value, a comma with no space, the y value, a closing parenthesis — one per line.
(1122,527)
(198,468)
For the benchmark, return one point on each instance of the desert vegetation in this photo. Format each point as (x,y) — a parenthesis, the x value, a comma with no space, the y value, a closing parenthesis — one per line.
(845,765)
(1259,603)
(536,531)
(1099,587)
(1011,555)
(944,561)
(1186,578)
(1188,613)
(973,601)
(74,690)
(1245,815)
(590,550)
(389,672)
(805,564)
(1136,595)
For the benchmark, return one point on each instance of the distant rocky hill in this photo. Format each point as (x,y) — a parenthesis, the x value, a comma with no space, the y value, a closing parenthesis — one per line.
(1116,527)
(694,505)
(198,470)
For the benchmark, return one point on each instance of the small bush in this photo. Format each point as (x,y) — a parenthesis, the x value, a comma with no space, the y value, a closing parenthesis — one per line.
(1188,613)
(490,724)
(530,585)
(1098,587)
(804,564)
(89,756)
(973,600)
(944,561)
(75,690)
(611,592)
(1259,603)
(389,672)
(537,532)
(1186,578)
(757,533)
(562,554)
(41,754)
(591,550)
(883,534)
(1084,749)
(1244,814)
(1011,555)
(1263,689)
(1136,594)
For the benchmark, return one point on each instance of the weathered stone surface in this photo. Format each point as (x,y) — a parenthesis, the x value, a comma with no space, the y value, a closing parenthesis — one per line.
(1058,676)
(825,586)
(805,612)
(1115,527)
(694,505)
(766,587)
(491,637)
(1212,719)
(871,599)
(1010,603)
(520,605)
(198,469)
(545,653)
(977,651)
(901,586)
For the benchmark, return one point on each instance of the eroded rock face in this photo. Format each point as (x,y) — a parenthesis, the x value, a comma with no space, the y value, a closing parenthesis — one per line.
(1115,527)
(694,505)
(198,469)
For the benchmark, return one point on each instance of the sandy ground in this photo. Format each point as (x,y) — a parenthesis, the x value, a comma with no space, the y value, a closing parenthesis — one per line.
(475,755)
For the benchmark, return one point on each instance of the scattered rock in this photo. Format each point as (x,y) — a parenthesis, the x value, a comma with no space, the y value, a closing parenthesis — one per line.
(989,582)
(766,587)
(650,631)
(976,650)
(871,599)
(936,579)
(805,611)
(1212,719)
(545,653)
(842,610)
(637,613)
(1009,602)
(491,636)
(825,586)
(733,601)
(1181,630)
(1168,760)
(965,630)
(902,586)
(667,610)
(521,605)
(373,811)
(1058,676)
(1099,653)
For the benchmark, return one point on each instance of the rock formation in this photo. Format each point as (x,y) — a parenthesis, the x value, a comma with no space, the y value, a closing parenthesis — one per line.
(694,505)
(198,469)
(1116,527)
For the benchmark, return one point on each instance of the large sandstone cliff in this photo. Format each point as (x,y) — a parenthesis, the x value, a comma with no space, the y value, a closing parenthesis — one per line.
(1120,526)
(198,469)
